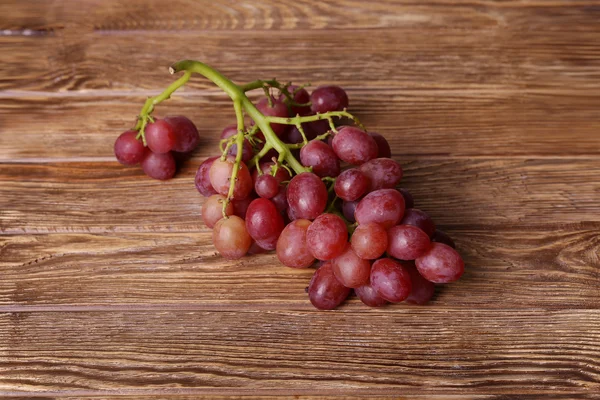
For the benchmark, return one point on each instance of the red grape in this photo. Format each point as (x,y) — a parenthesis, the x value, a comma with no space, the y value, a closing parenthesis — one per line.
(231,238)
(160,136)
(351,270)
(422,290)
(354,146)
(280,200)
(321,157)
(212,209)
(369,241)
(383,173)
(266,167)
(409,202)
(407,242)
(351,184)
(420,219)
(293,135)
(318,127)
(369,296)
(382,145)
(440,264)
(348,209)
(442,237)
(159,166)
(299,96)
(220,178)
(390,280)
(241,206)
(328,98)
(325,291)
(384,206)
(327,237)
(186,133)
(247,152)
(279,109)
(307,196)
(266,186)
(203,179)
(292,249)
(264,223)
(129,150)
(255,249)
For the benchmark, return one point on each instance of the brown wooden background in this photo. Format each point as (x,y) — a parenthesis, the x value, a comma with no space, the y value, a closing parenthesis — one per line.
(109,284)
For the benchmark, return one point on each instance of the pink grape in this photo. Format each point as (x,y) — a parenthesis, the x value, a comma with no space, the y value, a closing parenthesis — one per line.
(440,264)
(420,219)
(202,179)
(383,146)
(327,237)
(187,137)
(264,223)
(266,186)
(422,290)
(408,198)
(351,184)
(369,296)
(442,237)
(325,292)
(306,196)
(328,98)
(220,178)
(369,241)
(383,173)
(160,136)
(159,166)
(230,237)
(354,146)
(321,157)
(212,209)
(407,242)
(279,109)
(390,280)
(128,149)
(351,270)
(292,249)
(384,206)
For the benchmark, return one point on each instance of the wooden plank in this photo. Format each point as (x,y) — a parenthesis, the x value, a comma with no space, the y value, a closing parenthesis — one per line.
(397,58)
(418,351)
(553,267)
(205,15)
(107,197)
(429,122)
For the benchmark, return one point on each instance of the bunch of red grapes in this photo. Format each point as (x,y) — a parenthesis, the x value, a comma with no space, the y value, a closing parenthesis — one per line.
(167,141)
(347,216)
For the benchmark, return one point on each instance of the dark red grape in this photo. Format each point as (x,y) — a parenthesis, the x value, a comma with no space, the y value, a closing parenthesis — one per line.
(294,136)
(390,280)
(255,249)
(264,223)
(369,296)
(383,173)
(159,166)
(384,206)
(307,196)
(220,178)
(241,206)
(279,109)
(212,209)
(267,168)
(160,136)
(351,184)
(351,270)
(440,264)
(383,146)
(247,151)
(442,237)
(407,242)
(328,98)
(321,157)
(280,200)
(292,249)
(318,127)
(325,291)
(299,96)
(420,219)
(187,137)
(348,209)
(266,186)
(409,202)
(354,146)
(230,237)
(422,290)
(327,237)
(129,150)
(369,241)
(203,178)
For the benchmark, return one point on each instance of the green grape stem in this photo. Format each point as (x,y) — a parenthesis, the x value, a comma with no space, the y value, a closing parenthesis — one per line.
(243,106)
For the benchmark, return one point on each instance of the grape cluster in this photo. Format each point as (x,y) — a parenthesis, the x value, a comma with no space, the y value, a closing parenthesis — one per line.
(345,214)
(165,142)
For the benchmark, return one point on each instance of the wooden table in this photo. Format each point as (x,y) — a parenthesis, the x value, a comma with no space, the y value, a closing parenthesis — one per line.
(109,284)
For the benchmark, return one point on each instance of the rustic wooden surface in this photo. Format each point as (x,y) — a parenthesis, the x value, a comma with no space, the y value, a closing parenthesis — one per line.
(109,285)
